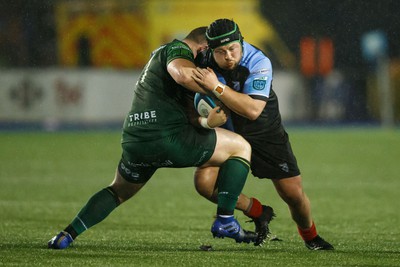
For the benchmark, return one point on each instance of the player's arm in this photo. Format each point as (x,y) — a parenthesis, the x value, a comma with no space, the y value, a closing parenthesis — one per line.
(217,116)
(181,70)
(239,103)
(191,112)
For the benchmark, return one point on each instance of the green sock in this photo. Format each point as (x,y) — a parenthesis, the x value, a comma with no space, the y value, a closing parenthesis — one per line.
(231,179)
(99,206)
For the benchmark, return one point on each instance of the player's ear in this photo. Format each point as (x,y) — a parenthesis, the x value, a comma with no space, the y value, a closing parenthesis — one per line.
(203,47)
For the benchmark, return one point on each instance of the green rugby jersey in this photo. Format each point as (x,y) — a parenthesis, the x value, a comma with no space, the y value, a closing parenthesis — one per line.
(158,101)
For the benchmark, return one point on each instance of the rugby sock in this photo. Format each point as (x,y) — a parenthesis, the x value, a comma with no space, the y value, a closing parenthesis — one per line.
(99,206)
(255,208)
(231,179)
(309,233)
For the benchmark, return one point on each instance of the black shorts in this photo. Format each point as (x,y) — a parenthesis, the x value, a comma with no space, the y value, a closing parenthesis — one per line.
(190,147)
(273,160)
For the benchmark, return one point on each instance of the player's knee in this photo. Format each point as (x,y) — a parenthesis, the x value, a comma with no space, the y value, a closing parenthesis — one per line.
(124,189)
(244,148)
(122,194)
(247,148)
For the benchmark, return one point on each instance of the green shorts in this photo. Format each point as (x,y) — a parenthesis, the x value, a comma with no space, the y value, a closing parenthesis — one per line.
(190,147)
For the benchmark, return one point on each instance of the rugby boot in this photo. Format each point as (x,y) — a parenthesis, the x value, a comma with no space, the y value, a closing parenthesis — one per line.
(318,243)
(60,241)
(262,224)
(230,227)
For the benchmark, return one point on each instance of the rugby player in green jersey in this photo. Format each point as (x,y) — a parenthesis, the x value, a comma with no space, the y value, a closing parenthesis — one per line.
(157,133)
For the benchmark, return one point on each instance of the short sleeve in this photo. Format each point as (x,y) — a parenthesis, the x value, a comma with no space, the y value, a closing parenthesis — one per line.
(258,83)
(178,49)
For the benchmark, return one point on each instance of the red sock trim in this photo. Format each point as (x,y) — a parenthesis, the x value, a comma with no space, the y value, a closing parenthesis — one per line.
(255,209)
(308,234)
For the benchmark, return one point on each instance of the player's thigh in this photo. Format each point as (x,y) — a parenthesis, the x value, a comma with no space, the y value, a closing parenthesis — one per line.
(229,144)
(189,147)
(133,173)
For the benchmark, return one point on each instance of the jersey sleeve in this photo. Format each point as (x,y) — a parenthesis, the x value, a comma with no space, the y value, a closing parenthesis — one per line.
(258,83)
(178,49)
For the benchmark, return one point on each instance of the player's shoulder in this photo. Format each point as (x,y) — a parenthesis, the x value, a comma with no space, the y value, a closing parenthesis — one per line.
(176,45)
(253,56)
(178,49)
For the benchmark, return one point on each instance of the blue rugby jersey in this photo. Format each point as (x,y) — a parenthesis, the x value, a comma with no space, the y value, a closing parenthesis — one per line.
(253,77)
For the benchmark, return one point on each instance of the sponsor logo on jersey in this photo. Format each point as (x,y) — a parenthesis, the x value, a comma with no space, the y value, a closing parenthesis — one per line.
(259,83)
(180,47)
(142,118)
(260,71)
(159,164)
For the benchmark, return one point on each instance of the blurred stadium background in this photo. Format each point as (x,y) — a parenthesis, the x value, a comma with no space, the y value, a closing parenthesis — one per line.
(73,63)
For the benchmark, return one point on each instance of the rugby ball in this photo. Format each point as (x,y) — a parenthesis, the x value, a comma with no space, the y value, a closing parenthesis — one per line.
(203,104)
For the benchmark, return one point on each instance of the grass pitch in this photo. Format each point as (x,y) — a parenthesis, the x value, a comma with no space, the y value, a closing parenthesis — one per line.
(350,175)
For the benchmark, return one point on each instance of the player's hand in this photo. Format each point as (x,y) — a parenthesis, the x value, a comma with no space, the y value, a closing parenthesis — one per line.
(206,78)
(216,117)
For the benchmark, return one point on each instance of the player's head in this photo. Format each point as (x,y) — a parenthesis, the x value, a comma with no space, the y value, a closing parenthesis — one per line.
(198,38)
(225,40)
(222,32)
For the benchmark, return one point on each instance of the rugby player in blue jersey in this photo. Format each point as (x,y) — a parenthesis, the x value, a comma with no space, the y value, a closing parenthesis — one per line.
(240,76)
